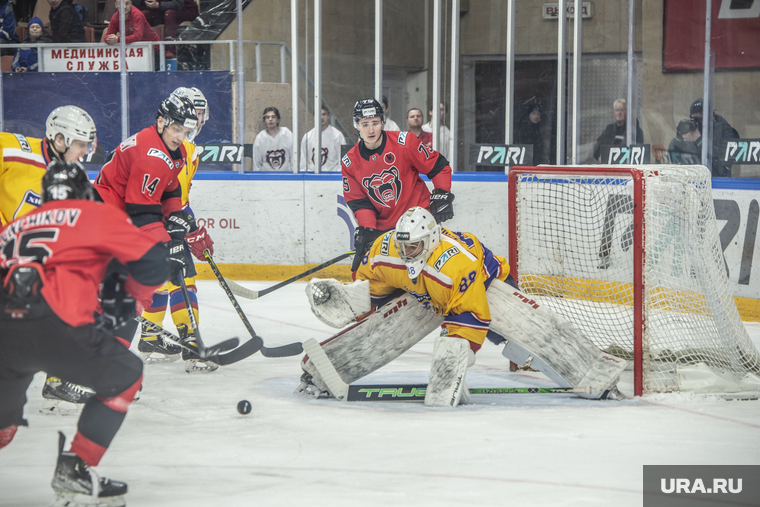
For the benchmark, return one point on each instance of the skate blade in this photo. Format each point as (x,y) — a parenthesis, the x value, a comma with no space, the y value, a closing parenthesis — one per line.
(158,358)
(79,500)
(60,407)
(192,366)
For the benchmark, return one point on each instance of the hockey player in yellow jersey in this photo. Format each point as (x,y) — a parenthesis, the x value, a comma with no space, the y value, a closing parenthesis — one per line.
(449,280)
(69,136)
(152,348)
(447,272)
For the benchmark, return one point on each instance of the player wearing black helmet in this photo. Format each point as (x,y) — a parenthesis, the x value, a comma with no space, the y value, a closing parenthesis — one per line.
(142,177)
(47,302)
(381,177)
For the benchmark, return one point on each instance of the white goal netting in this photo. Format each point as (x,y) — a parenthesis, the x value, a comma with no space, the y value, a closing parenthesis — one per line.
(575,233)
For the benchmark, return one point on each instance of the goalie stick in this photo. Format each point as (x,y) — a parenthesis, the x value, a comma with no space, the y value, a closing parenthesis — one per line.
(401,392)
(241,291)
(291,349)
(219,354)
(416,392)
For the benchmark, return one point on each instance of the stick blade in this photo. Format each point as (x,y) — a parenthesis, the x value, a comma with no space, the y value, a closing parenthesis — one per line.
(247,349)
(292,349)
(241,291)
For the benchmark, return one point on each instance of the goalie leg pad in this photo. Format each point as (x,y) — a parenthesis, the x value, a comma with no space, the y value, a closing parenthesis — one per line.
(337,304)
(559,349)
(447,386)
(376,340)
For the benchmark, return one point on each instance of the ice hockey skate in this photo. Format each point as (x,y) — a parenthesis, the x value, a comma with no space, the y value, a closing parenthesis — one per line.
(64,398)
(75,484)
(307,388)
(153,349)
(193,362)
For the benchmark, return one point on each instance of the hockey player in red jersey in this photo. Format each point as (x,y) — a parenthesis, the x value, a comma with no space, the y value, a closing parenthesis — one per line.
(381,178)
(52,261)
(141,178)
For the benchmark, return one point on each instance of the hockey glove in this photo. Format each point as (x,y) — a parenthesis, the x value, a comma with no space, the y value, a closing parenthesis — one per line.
(179,224)
(442,205)
(199,241)
(364,237)
(177,259)
(117,305)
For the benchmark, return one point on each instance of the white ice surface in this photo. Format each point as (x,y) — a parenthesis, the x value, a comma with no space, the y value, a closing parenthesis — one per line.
(184,444)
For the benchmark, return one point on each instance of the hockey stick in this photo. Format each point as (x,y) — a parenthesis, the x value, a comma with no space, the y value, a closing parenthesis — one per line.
(292,349)
(416,392)
(203,351)
(217,354)
(241,291)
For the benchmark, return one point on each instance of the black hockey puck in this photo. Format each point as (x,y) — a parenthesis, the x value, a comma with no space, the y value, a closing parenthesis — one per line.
(244,407)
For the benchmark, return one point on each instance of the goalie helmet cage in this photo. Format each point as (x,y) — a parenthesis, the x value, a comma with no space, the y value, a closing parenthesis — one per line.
(631,255)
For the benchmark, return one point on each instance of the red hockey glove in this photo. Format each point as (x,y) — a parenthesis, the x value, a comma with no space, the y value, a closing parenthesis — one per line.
(198,241)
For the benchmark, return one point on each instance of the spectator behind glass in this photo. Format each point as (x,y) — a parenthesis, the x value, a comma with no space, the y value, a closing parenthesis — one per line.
(389,125)
(273,146)
(414,121)
(686,147)
(26,59)
(135,25)
(332,139)
(7,27)
(722,132)
(445,133)
(614,134)
(65,22)
(529,132)
(169,13)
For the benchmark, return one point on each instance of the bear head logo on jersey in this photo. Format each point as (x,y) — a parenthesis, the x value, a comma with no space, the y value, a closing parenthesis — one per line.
(384,188)
(325,152)
(276,159)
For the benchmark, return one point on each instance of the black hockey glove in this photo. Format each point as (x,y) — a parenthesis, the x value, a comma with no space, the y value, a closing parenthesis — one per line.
(363,239)
(117,305)
(179,223)
(442,205)
(177,259)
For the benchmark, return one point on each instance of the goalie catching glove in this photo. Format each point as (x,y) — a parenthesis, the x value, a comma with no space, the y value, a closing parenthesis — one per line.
(338,304)
(442,205)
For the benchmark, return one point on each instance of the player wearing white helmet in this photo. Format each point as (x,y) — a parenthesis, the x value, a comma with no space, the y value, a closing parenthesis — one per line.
(70,135)
(453,281)
(151,347)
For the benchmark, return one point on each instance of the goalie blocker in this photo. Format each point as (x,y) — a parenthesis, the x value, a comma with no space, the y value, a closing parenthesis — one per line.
(559,349)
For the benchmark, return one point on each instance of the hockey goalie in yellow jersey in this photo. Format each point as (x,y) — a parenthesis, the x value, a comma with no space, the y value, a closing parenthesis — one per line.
(449,279)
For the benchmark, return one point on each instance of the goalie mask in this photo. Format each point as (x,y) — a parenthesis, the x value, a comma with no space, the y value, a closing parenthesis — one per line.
(66,180)
(367,108)
(417,235)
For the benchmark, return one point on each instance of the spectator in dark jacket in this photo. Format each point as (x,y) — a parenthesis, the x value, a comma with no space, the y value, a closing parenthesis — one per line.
(529,132)
(170,13)
(722,132)
(7,27)
(26,59)
(65,22)
(686,147)
(615,133)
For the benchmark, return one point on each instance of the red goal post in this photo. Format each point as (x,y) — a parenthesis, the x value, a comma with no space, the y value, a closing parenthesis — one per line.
(631,256)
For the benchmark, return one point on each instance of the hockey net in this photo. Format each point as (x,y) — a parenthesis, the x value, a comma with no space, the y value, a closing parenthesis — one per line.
(631,255)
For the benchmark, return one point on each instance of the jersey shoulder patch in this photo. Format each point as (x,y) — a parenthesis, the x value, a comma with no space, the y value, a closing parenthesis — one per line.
(128,143)
(346,161)
(153,152)
(444,258)
(402,138)
(23,143)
